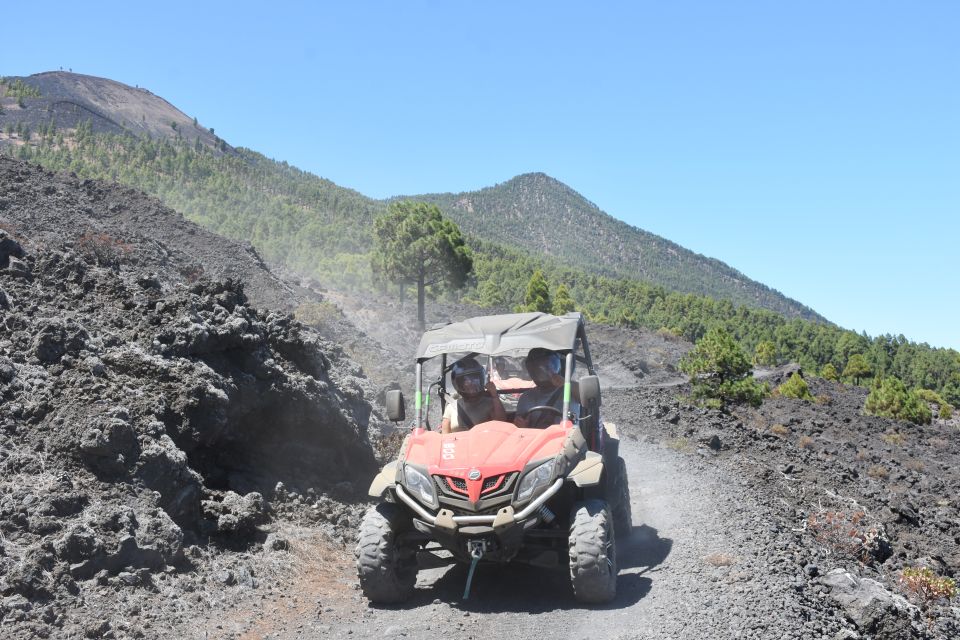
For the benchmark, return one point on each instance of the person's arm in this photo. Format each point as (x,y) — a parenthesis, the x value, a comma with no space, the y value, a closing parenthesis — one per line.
(498,412)
(445,422)
(523,405)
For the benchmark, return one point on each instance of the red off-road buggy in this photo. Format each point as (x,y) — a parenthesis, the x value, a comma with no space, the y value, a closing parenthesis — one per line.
(499,493)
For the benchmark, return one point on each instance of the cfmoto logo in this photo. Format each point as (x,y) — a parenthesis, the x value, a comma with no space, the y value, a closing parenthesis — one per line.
(474,474)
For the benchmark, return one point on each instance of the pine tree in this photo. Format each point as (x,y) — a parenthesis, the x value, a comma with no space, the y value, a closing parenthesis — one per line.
(562,302)
(829,372)
(538,294)
(889,398)
(720,370)
(416,244)
(856,368)
(766,354)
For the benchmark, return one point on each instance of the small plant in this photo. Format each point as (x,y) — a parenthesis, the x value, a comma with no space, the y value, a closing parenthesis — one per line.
(718,559)
(805,442)
(679,444)
(849,534)
(191,273)
(780,430)
(893,438)
(925,587)
(316,313)
(795,387)
(878,471)
(914,465)
(104,248)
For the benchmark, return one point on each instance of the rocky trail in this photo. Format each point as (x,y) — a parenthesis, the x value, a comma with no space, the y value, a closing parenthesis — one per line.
(721,548)
(688,569)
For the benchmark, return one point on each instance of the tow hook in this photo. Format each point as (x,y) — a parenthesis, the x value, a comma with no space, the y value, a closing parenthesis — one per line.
(476,549)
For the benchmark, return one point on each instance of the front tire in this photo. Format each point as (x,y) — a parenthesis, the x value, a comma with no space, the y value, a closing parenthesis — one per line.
(622,513)
(387,568)
(593,552)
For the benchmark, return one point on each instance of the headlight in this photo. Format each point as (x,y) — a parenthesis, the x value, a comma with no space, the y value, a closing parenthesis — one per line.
(420,485)
(535,480)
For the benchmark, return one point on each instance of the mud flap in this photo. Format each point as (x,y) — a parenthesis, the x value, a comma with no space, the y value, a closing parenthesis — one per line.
(589,472)
(383,480)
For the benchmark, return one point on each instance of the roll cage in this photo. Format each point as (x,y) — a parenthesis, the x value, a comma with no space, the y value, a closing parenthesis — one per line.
(500,335)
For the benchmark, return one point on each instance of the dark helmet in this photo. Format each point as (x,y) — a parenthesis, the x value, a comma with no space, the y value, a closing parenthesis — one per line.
(469,378)
(543,365)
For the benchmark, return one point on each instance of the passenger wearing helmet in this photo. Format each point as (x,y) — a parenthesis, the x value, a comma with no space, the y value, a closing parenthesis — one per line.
(478,402)
(545,368)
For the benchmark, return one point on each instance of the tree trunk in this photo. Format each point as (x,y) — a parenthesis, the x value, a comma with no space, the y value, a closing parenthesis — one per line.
(421,319)
(403,291)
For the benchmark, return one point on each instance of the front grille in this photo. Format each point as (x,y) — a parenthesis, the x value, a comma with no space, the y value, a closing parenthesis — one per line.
(493,486)
(457,484)
(491,483)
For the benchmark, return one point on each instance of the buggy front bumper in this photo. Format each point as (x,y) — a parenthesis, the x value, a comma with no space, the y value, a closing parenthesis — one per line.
(504,517)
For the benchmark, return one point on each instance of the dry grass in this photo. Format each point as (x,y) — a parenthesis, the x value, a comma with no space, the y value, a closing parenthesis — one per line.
(939,443)
(780,430)
(805,442)
(893,438)
(879,472)
(718,559)
(823,398)
(862,454)
(914,465)
(679,444)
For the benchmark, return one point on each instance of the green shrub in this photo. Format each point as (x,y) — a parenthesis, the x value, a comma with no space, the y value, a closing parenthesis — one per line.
(795,387)
(926,587)
(720,371)
(945,409)
(766,354)
(890,399)
(829,372)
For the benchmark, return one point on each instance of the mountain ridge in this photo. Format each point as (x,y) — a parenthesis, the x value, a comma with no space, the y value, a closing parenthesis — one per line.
(553,218)
(531,212)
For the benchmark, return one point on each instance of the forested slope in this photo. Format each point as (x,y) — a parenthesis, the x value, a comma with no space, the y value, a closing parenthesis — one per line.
(538,213)
(323,230)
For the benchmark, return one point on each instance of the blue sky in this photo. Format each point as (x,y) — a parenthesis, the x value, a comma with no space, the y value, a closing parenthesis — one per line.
(815,146)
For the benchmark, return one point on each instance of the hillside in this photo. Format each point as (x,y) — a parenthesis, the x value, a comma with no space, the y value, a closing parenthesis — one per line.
(67,100)
(542,215)
(312,224)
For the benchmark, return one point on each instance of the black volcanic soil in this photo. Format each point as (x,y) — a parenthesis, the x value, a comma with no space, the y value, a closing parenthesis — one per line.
(177,462)
(120,224)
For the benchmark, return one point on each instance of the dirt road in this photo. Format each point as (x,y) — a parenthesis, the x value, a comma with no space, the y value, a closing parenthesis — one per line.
(701,562)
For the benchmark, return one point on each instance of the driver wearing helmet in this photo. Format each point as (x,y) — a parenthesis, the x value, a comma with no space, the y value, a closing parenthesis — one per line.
(545,368)
(478,400)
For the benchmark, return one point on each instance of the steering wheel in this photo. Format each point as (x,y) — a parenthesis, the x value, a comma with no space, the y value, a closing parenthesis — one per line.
(544,407)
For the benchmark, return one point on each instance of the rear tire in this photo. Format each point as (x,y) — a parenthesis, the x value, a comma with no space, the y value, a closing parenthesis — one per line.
(593,552)
(622,513)
(386,568)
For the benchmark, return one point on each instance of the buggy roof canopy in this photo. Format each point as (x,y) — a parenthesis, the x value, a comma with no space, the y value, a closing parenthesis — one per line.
(502,334)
